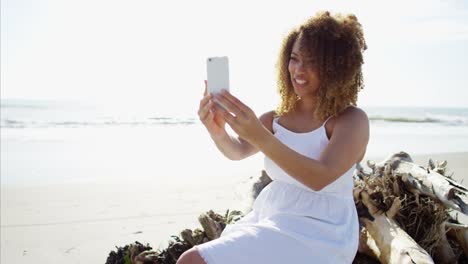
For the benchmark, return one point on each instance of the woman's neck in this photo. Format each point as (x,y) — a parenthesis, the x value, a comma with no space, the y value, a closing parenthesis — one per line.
(307,106)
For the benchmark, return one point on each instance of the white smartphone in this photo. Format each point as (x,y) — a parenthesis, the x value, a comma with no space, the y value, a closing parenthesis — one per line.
(217,74)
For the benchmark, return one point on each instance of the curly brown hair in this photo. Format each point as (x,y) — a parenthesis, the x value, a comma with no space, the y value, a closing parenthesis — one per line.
(335,45)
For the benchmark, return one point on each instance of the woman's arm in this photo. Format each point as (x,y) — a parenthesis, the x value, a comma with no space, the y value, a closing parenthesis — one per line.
(236,148)
(231,147)
(347,144)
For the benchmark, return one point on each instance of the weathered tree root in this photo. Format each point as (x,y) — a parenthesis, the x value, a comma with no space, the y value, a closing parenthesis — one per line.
(127,253)
(422,215)
(213,225)
(427,181)
(393,243)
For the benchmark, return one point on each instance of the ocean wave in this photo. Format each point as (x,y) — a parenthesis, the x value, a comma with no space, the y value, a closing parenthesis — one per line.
(10,123)
(448,120)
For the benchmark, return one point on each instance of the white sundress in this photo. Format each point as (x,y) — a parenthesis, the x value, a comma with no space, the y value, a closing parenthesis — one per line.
(290,222)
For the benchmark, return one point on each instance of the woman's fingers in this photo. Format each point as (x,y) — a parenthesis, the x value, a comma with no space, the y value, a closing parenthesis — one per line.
(206,88)
(208,118)
(229,105)
(204,101)
(241,106)
(204,107)
(203,114)
(226,115)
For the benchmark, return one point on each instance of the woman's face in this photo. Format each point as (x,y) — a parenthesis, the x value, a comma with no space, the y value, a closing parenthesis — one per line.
(304,76)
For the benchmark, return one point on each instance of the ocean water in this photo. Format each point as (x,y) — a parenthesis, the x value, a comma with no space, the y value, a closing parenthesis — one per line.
(65,142)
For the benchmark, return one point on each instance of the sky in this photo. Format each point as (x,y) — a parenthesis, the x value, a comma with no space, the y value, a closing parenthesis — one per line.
(152,54)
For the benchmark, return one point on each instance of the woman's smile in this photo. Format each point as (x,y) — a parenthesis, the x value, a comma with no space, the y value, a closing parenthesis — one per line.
(299,84)
(300,81)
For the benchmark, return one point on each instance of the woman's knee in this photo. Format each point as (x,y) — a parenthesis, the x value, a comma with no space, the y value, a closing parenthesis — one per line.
(191,256)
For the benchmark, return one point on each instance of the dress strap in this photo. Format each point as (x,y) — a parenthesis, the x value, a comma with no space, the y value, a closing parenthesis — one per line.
(326,120)
(275,124)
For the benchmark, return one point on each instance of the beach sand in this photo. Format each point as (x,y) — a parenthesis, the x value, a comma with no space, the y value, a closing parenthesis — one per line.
(83,222)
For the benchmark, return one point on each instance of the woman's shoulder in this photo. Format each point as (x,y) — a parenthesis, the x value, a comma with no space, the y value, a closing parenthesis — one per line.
(352,114)
(267,119)
(351,118)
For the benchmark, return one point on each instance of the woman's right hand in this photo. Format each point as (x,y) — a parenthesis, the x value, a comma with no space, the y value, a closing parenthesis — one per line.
(214,122)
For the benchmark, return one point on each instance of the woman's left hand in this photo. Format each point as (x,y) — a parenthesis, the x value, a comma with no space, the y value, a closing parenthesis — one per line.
(244,121)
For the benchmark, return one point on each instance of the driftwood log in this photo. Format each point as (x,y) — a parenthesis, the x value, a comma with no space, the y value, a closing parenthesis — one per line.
(385,238)
(428,181)
(415,232)
(403,211)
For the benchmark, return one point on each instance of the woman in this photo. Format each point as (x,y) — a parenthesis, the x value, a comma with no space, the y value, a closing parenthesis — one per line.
(311,145)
